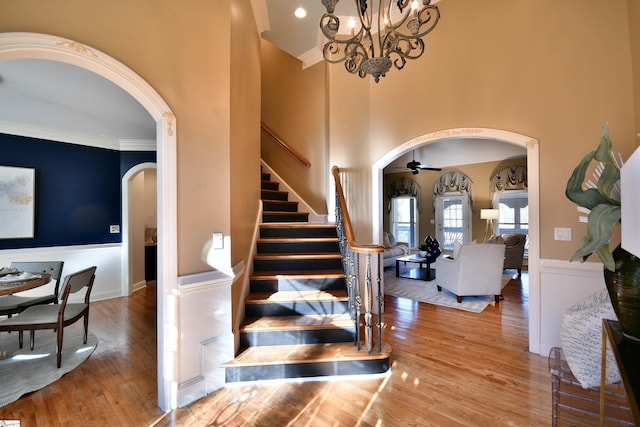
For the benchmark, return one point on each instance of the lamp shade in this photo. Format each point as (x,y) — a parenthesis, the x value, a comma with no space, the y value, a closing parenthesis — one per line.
(489,213)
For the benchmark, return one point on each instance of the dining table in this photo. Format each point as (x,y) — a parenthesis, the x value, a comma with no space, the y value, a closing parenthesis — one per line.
(13,283)
(13,286)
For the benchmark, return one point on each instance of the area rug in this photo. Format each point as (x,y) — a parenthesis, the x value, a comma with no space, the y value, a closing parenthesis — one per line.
(24,371)
(427,292)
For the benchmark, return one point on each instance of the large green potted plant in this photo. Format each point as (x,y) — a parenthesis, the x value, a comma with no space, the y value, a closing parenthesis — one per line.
(602,199)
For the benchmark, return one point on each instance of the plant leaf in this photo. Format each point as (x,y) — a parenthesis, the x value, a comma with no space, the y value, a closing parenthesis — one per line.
(605,255)
(608,179)
(586,198)
(602,219)
(603,152)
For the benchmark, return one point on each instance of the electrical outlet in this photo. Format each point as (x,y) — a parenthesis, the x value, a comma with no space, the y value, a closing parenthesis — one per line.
(561,233)
(113,229)
(218,240)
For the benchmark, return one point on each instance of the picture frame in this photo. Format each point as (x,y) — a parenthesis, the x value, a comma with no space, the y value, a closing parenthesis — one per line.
(17,202)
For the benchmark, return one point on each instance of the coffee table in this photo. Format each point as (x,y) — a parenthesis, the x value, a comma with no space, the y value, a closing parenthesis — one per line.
(419,273)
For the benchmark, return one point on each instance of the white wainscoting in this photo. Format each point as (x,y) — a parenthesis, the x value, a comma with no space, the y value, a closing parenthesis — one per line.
(563,284)
(206,339)
(106,257)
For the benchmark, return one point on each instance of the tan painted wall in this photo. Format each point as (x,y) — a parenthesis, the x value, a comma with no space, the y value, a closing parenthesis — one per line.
(293,107)
(491,64)
(348,144)
(245,132)
(182,50)
(479,173)
(137,210)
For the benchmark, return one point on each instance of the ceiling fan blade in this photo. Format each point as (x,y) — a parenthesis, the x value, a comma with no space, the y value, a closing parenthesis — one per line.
(429,168)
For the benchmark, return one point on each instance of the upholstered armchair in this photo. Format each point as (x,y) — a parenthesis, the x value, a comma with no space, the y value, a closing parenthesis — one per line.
(474,270)
(514,250)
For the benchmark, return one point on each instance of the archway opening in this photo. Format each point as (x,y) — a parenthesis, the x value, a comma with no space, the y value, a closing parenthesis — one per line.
(43,46)
(533,168)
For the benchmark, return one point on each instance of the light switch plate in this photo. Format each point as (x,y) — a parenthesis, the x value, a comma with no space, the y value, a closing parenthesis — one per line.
(561,233)
(114,229)
(218,241)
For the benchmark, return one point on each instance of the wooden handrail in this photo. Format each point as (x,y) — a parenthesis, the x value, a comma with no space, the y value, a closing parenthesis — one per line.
(363,272)
(351,239)
(286,147)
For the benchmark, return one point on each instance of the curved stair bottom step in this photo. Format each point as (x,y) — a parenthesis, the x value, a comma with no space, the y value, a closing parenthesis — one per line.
(306,361)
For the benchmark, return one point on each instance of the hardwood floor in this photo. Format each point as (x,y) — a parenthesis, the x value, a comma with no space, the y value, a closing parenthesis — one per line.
(449,368)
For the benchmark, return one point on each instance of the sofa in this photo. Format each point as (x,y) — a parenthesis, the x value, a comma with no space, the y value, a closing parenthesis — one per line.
(393,249)
(514,251)
(474,270)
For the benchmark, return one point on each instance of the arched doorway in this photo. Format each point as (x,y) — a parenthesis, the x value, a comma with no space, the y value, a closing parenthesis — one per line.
(128,239)
(42,46)
(533,169)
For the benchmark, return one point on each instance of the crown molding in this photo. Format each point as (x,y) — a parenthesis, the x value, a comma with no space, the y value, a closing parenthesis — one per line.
(261,15)
(59,136)
(78,139)
(311,57)
(138,145)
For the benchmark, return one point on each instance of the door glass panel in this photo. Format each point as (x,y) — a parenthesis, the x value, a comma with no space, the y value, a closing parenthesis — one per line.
(452,219)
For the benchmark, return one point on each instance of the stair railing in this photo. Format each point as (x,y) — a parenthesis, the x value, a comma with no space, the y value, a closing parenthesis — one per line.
(358,265)
(286,147)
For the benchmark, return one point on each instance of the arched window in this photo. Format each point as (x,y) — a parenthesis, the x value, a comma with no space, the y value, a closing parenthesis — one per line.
(508,193)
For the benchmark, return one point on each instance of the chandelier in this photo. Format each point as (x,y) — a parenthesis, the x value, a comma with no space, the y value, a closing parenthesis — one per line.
(399,35)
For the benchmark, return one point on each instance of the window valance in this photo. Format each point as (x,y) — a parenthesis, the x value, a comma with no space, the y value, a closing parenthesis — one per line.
(403,187)
(453,182)
(511,178)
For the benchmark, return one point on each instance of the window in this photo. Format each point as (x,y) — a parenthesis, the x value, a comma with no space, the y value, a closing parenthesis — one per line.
(514,214)
(452,220)
(404,220)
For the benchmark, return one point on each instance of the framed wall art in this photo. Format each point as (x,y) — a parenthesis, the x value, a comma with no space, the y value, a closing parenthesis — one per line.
(17,201)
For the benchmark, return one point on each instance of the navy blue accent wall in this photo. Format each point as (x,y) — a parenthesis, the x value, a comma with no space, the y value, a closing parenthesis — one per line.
(78,189)
(129,159)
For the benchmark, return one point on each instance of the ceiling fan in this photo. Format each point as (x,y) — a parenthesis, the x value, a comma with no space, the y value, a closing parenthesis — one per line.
(415,166)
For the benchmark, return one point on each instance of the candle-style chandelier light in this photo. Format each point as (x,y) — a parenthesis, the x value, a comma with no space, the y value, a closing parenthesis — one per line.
(399,29)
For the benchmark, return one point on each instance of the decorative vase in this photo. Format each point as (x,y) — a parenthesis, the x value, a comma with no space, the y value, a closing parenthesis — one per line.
(623,286)
(423,254)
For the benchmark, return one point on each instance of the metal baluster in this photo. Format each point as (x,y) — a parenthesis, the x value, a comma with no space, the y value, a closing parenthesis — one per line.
(358,299)
(380,301)
(367,295)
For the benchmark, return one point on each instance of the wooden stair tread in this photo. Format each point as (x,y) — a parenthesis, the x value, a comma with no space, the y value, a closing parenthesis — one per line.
(279,256)
(297,225)
(290,323)
(305,353)
(306,274)
(271,191)
(295,296)
(286,202)
(296,239)
(285,213)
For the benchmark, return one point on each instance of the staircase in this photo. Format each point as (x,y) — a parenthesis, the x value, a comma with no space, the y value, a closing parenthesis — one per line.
(297,318)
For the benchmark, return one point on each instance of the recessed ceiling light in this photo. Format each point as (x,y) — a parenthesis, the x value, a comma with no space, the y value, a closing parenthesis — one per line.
(300,13)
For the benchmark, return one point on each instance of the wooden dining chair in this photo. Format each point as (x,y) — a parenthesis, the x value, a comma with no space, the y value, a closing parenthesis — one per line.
(12,304)
(56,316)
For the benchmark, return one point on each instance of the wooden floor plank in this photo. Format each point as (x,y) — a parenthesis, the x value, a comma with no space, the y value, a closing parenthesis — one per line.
(449,368)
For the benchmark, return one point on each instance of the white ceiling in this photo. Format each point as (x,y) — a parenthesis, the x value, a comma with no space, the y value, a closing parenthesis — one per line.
(48,99)
(70,104)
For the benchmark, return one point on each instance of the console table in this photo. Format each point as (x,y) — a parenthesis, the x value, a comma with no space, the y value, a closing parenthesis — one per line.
(627,355)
